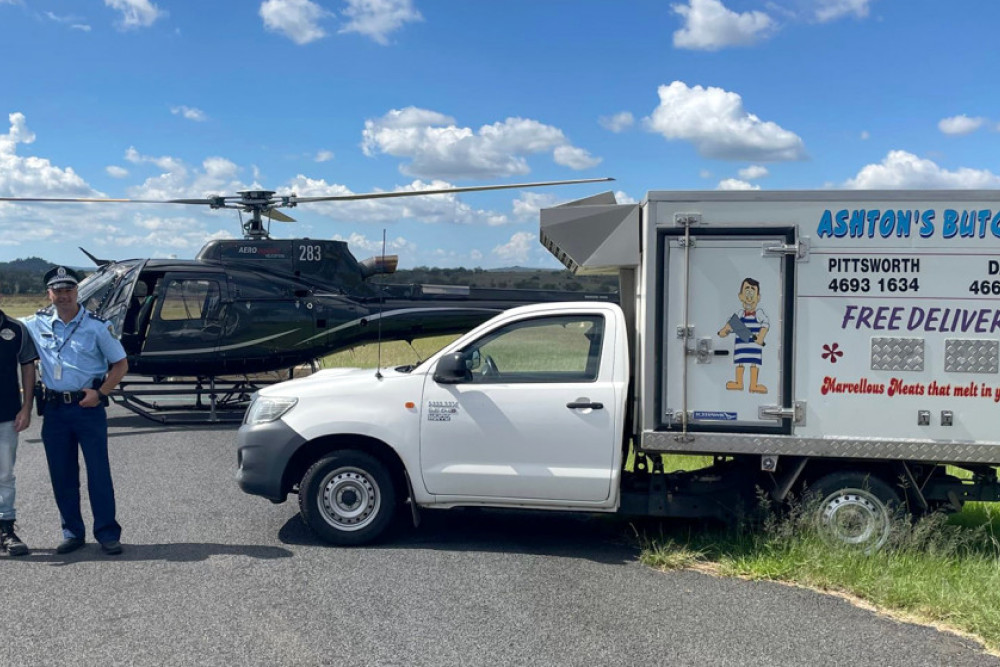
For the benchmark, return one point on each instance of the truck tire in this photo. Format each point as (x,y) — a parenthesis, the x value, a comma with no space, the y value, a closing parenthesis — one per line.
(347,498)
(855,509)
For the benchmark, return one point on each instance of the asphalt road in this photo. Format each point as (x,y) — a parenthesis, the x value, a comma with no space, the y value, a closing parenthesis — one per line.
(211,576)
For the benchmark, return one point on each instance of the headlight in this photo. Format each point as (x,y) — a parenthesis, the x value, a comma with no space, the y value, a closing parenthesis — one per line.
(266,409)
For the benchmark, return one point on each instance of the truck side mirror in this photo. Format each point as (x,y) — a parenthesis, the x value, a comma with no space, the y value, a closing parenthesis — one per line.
(452,369)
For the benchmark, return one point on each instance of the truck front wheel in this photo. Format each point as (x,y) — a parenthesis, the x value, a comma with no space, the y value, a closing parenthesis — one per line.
(347,498)
(855,508)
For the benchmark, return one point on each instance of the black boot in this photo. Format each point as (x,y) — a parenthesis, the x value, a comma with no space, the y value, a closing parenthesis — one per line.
(9,541)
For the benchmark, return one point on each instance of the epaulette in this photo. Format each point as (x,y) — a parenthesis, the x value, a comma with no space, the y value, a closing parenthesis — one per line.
(96,317)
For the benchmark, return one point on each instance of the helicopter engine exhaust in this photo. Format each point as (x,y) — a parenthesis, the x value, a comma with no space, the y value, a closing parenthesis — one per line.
(379,264)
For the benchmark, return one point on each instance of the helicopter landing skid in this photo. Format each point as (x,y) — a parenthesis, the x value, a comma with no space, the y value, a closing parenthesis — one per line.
(188,401)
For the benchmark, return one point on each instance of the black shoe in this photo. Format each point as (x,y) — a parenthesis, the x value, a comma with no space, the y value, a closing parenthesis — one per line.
(69,544)
(10,542)
(112,547)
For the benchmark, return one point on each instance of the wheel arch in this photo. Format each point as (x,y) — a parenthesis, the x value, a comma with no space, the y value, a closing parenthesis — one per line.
(314,450)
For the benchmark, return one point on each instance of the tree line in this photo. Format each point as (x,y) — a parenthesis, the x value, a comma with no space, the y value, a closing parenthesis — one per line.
(518,278)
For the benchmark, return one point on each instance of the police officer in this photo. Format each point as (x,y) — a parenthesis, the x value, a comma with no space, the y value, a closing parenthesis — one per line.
(16,352)
(76,349)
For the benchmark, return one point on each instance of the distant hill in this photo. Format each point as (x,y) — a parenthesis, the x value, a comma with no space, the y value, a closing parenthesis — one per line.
(23,276)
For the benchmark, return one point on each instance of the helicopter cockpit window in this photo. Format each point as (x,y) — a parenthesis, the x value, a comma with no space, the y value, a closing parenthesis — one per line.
(191,300)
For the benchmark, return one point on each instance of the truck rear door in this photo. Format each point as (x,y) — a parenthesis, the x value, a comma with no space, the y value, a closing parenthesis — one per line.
(727,314)
(539,417)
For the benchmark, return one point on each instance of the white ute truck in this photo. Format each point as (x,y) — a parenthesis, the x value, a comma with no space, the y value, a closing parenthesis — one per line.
(844,342)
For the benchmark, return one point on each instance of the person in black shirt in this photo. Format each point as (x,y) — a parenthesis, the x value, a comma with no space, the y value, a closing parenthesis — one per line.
(17,352)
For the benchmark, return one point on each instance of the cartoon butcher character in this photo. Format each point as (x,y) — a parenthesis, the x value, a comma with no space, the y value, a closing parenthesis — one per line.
(750,326)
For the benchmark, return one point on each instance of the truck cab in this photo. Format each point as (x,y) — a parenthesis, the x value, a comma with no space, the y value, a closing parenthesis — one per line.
(527,410)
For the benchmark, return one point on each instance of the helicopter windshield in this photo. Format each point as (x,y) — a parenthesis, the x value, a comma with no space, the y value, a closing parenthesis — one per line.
(106,291)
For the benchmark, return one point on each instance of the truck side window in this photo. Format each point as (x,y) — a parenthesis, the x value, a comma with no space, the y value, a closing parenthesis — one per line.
(565,348)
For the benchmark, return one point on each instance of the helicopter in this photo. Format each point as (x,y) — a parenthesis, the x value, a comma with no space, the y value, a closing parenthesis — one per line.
(211,329)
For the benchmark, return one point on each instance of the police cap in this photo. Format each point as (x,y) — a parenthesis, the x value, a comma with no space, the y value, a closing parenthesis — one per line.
(61,277)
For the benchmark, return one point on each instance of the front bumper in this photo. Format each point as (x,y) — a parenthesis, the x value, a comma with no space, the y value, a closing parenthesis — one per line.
(262,455)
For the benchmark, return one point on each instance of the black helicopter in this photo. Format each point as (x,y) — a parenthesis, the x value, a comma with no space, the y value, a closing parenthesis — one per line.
(209,327)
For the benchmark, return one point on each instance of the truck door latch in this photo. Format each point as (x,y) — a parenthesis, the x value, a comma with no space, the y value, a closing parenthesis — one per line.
(581,405)
(797,413)
(800,248)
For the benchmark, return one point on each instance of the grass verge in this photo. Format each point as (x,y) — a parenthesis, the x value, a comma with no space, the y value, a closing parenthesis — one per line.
(939,570)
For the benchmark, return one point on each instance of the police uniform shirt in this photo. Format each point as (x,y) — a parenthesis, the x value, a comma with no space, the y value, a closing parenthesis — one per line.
(82,349)
(16,348)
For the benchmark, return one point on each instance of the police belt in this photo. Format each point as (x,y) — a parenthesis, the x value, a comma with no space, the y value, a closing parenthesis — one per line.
(66,397)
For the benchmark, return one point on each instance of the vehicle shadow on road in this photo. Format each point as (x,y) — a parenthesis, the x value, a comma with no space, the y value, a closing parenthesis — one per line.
(177,552)
(601,539)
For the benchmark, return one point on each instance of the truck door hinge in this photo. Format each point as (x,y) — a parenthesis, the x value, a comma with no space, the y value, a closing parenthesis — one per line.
(797,413)
(687,219)
(800,248)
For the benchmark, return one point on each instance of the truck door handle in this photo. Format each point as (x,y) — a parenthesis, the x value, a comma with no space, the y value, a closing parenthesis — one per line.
(584,404)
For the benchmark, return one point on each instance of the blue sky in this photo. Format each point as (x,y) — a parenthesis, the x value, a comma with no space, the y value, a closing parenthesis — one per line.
(165,99)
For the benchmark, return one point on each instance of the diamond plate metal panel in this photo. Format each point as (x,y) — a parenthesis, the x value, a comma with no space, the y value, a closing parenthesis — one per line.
(855,448)
(897,354)
(971,355)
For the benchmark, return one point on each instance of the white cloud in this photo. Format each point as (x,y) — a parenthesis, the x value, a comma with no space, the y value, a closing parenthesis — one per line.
(191,113)
(518,249)
(82,27)
(377,18)
(114,171)
(34,176)
(438,148)
(903,170)
(618,122)
(753,172)
(574,158)
(623,198)
(962,124)
(831,10)
(398,245)
(298,20)
(164,235)
(527,206)
(444,208)
(135,13)
(710,26)
(865,135)
(736,184)
(715,121)
(217,175)
(323,156)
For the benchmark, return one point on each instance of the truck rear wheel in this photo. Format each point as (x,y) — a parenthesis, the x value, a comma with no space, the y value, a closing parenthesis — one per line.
(347,498)
(855,508)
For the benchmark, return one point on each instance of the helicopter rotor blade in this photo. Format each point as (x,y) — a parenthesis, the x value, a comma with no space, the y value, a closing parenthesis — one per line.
(105,200)
(415,193)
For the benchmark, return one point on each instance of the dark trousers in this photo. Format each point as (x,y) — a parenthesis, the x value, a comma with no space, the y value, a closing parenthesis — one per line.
(64,428)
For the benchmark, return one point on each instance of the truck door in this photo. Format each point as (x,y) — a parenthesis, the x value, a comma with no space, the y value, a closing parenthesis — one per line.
(728,313)
(537,418)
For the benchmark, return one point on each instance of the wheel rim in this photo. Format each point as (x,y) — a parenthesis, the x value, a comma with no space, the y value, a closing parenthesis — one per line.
(854,517)
(349,499)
